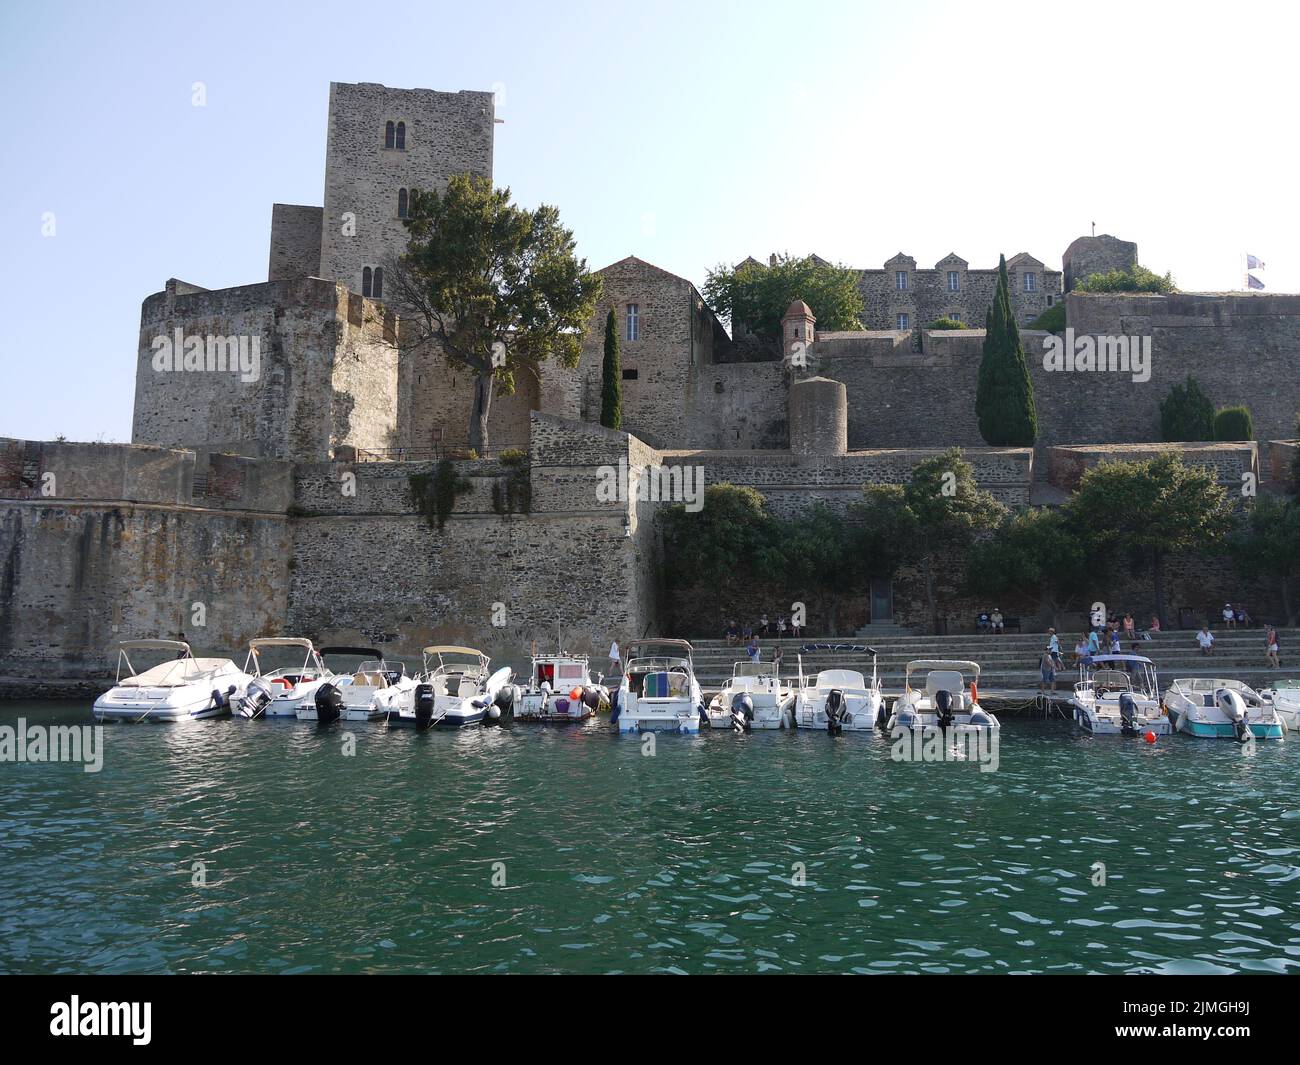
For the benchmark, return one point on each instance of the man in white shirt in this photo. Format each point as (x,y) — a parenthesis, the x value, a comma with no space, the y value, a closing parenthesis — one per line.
(1206,639)
(615,661)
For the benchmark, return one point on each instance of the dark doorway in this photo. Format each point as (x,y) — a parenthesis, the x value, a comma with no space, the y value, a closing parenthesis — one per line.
(882,599)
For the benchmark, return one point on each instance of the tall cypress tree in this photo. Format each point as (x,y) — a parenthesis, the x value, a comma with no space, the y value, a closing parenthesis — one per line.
(1004,400)
(611,371)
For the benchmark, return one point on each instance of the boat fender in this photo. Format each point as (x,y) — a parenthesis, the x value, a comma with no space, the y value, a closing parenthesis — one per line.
(590,698)
(329,704)
(981,719)
(1127,715)
(943,707)
(616,705)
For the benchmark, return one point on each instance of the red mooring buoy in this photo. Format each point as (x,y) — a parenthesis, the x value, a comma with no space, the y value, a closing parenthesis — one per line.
(1151,737)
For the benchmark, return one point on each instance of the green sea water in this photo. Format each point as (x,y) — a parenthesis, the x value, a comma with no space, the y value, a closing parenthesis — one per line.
(235,846)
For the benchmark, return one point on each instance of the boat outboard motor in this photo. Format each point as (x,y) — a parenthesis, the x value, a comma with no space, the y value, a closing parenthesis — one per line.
(742,711)
(943,708)
(329,704)
(423,701)
(591,697)
(502,711)
(1233,707)
(257,698)
(1127,714)
(220,698)
(835,710)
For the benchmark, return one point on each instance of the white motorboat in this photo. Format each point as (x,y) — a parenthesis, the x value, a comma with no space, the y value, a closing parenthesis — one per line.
(455,689)
(1223,709)
(659,691)
(1119,695)
(754,697)
(838,699)
(183,688)
(281,691)
(945,702)
(364,694)
(560,688)
(1285,696)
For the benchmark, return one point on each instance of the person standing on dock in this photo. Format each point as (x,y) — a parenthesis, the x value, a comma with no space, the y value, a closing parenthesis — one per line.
(1081,650)
(615,660)
(1047,668)
(1054,645)
(1274,647)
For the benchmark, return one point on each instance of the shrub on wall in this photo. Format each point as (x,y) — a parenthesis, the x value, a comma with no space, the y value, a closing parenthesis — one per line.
(1233,423)
(1136,279)
(434,494)
(1186,413)
(946,323)
(1052,319)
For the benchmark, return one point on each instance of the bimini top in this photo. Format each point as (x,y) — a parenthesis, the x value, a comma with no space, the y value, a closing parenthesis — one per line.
(449,649)
(1090,659)
(943,663)
(283,641)
(364,652)
(680,644)
(156,645)
(808,648)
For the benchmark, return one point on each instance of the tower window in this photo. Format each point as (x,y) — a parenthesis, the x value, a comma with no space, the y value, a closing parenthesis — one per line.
(401,136)
(900,280)
(1031,283)
(633,322)
(365,280)
(403,203)
(379,283)
(954,281)
(629,375)
(372,282)
(388,134)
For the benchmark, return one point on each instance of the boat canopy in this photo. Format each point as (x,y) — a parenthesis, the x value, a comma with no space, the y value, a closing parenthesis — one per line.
(156,645)
(364,652)
(178,673)
(1093,659)
(808,648)
(282,641)
(679,644)
(450,649)
(943,663)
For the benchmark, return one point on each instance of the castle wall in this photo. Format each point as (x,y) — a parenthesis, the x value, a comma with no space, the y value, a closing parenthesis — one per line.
(1097,255)
(1231,462)
(295,242)
(447,133)
(326,372)
(927,298)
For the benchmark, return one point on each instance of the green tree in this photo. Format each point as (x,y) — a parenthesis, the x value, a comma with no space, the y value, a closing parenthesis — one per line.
(611,371)
(1052,319)
(1149,510)
(1186,413)
(756,297)
(730,534)
(1266,544)
(1233,423)
(939,512)
(816,563)
(1004,397)
(1136,279)
(1037,554)
(496,286)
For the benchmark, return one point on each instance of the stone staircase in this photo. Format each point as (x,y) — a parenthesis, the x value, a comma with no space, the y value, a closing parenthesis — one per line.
(1009,662)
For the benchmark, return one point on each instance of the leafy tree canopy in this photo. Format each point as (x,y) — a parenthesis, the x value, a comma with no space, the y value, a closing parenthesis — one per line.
(757,296)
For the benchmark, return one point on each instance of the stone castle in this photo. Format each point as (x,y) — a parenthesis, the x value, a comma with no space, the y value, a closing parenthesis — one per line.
(281,498)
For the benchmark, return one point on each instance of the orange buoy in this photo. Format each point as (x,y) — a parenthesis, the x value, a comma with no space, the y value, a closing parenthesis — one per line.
(576,694)
(1150,737)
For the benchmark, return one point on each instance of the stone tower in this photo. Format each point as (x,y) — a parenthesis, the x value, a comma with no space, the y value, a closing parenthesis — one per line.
(382,143)
(819,417)
(1097,255)
(798,329)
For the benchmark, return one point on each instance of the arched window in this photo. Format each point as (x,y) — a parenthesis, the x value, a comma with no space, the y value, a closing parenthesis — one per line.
(378,292)
(388,135)
(365,281)
(401,136)
(403,203)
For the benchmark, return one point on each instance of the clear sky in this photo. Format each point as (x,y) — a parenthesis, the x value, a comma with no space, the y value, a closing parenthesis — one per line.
(687,133)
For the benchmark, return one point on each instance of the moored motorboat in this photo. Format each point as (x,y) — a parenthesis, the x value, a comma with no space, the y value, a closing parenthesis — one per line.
(183,688)
(1285,697)
(944,702)
(281,691)
(364,693)
(1119,695)
(1222,709)
(659,691)
(455,689)
(838,700)
(754,698)
(560,688)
